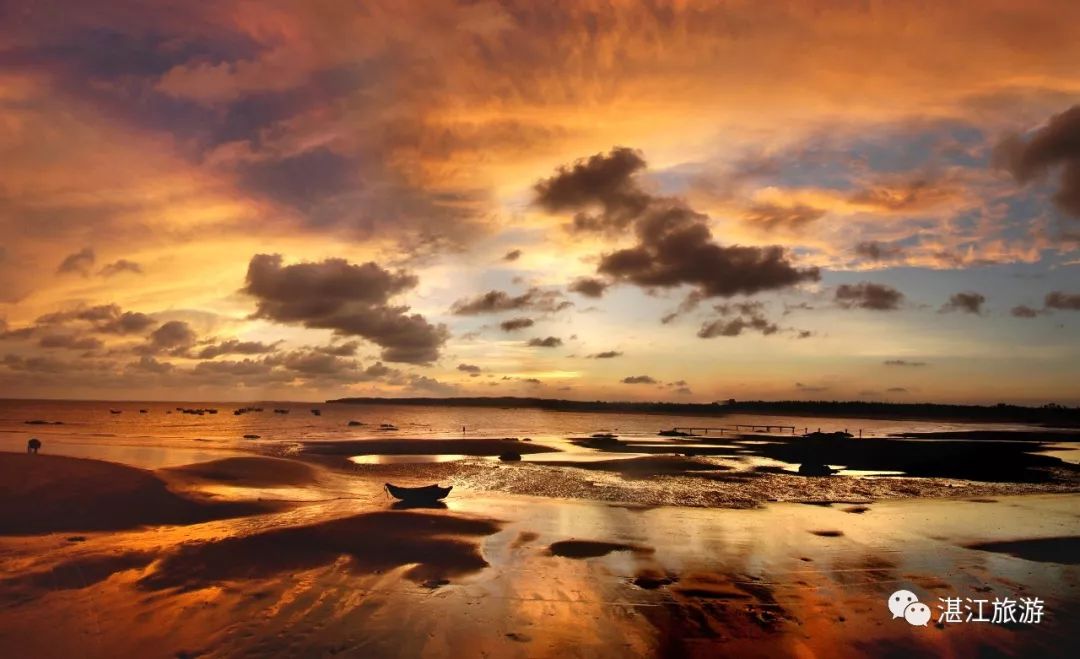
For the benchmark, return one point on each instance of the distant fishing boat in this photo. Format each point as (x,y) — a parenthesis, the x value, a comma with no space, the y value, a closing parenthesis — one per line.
(114,411)
(387,426)
(426,494)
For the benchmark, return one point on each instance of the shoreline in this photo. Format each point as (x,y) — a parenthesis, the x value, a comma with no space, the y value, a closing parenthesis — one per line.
(1056,416)
(878,411)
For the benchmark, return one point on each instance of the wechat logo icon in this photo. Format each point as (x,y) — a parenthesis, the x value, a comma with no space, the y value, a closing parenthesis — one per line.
(904,604)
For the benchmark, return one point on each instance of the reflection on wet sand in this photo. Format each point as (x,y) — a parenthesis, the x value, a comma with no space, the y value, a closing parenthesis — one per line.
(341,572)
(429,546)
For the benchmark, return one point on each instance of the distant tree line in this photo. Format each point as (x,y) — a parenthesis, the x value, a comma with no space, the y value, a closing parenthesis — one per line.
(1050,414)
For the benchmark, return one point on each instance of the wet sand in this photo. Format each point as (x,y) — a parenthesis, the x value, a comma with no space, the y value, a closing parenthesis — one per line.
(530,559)
(43,493)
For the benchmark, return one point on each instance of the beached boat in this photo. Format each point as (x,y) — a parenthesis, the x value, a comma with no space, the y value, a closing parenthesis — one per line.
(426,494)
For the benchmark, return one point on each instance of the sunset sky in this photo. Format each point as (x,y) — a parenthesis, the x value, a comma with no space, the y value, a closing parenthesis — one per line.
(591,200)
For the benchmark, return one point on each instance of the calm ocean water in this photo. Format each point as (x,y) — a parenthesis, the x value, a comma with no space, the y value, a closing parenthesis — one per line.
(163,436)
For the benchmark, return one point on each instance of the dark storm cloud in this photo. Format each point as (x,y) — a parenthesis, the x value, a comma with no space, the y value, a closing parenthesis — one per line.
(380,370)
(748,316)
(307,364)
(35,364)
(1062,301)
(1024,311)
(548,342)
(902,362)
(675,246)
(70,342)
(603,185)
(346,349)
(431,385)
(607,354)
(300,291)
(300,180)
(867,295)
(234,368)
(128,322)
(588,286)
(639,379)
(148,364)
(120,266)
(175,335)
(234,347)
(515,324)
(104,318)
(1056,143)
(78,49)
(351,300)
(313,364)
(967,302)
(772,217)
(495,301)
(80,262)
(736,326)
(469,368)
(97,313)
(875,251)
(512,255)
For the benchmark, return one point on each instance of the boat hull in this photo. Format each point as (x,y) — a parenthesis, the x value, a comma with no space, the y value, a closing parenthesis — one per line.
(418,494)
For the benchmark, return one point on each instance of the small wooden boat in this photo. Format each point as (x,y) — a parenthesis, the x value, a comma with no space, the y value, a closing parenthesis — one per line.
(424,494)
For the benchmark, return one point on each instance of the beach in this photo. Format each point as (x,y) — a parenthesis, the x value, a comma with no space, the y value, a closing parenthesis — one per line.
(635,545)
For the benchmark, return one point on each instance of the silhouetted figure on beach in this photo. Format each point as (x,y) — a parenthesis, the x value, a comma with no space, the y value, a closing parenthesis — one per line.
(33,445)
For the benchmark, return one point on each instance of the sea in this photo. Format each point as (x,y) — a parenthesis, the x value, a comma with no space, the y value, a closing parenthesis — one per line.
(159,434)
